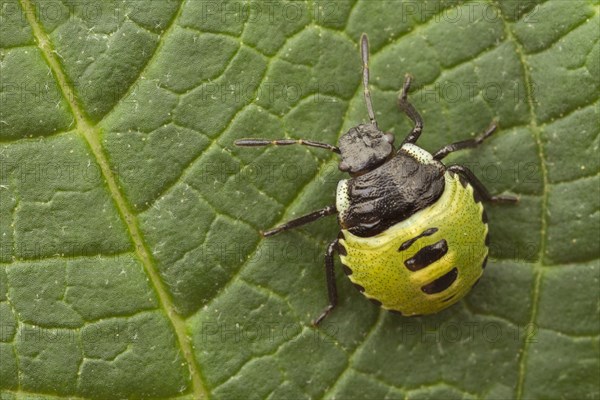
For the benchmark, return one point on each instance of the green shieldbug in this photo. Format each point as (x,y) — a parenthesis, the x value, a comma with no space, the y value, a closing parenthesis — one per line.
(414,234)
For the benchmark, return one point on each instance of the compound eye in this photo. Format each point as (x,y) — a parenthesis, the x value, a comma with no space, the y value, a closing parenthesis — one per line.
(389,138)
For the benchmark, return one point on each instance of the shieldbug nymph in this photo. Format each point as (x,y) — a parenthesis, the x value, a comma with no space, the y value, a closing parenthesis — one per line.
(406,219)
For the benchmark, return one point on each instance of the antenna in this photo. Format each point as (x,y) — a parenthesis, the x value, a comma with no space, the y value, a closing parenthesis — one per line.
(364,42)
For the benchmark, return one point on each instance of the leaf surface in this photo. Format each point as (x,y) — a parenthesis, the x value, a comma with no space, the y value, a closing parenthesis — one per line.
(131,263)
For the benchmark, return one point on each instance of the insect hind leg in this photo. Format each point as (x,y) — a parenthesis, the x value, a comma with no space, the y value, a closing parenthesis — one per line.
(331,285)
(479,186)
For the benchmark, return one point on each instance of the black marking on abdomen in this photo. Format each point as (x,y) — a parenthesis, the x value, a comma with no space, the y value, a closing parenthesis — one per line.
(341,249)
(347,269)
(442,283)
(376,302)
(463,181)
(427,255)
(409,242)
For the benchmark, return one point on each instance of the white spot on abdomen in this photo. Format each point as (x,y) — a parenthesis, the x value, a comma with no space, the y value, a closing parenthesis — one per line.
(342,199)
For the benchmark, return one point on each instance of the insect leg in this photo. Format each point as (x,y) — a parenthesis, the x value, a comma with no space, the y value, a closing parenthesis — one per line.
(284,142)
(305,219)
(331,286)
(449,148)
(479,187)
(410,111)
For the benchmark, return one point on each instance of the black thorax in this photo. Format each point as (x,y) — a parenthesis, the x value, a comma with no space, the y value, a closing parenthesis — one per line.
(391,193)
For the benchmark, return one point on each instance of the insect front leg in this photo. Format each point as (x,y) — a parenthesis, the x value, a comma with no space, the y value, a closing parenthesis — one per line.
(331,285)
(305,219)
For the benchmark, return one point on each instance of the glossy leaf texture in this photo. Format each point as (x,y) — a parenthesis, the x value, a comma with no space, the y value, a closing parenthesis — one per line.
(131,263)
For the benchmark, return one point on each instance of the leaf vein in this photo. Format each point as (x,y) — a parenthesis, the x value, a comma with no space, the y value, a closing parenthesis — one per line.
(159,45)
(536,132)
(91,134)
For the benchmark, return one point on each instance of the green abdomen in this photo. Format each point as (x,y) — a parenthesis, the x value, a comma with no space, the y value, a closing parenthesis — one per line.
(427,262)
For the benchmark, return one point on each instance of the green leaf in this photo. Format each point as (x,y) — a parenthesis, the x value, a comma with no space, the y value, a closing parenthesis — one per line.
(131,264)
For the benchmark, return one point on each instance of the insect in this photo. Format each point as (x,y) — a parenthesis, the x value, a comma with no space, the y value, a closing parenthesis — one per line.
(414,234)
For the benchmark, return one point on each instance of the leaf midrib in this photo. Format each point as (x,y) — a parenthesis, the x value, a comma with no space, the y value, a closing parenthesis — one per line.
(91,134)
